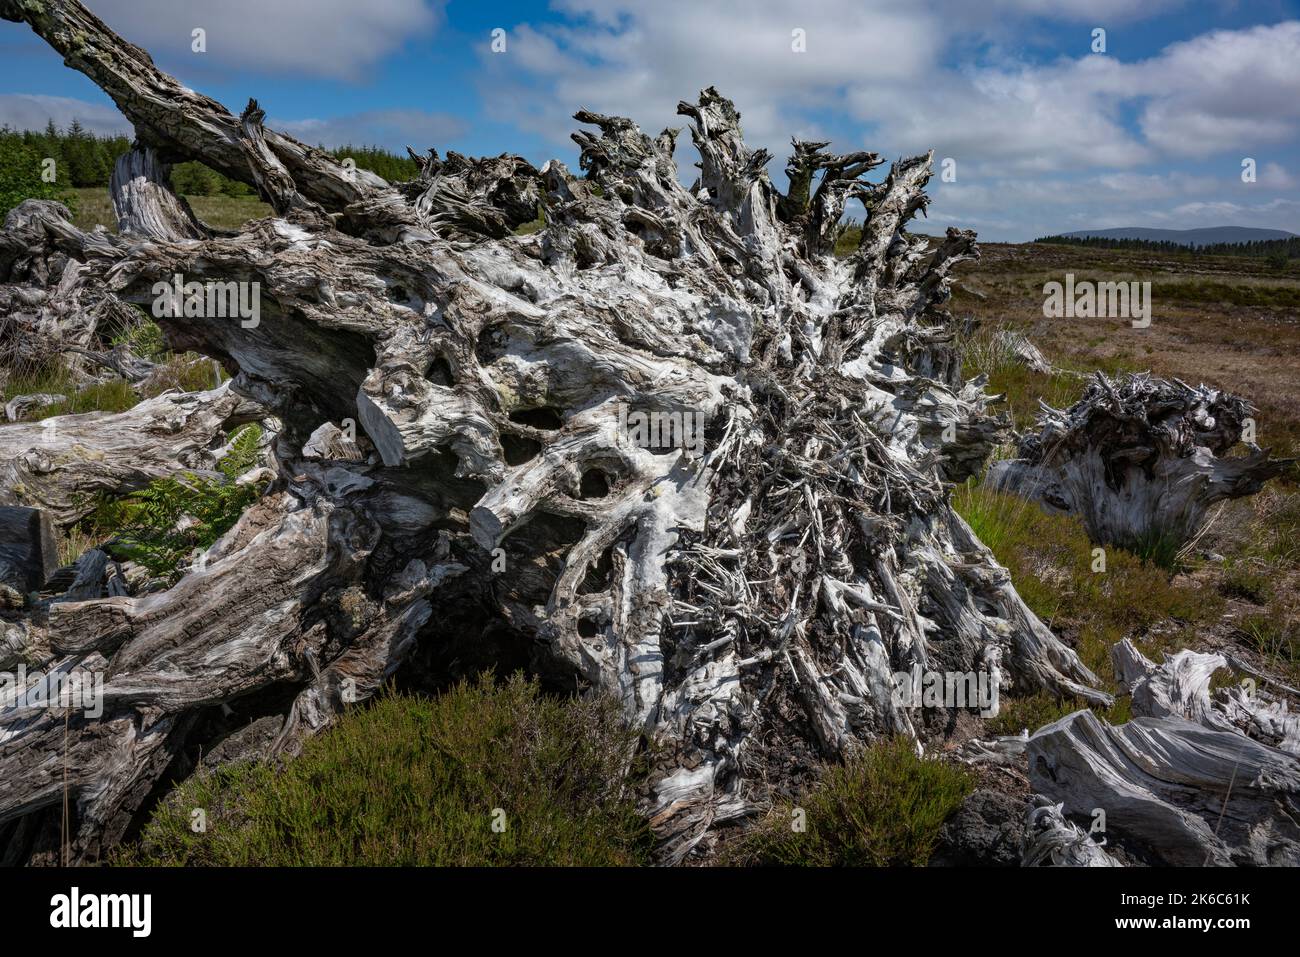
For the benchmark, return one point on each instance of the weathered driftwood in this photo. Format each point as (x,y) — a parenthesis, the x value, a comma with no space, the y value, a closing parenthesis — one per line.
(1139,459)
(1018,347)
(50,304)
(61,463)
(331,442)
(28,553)
(1181,687)
(120,361)
(1004,751)
(17,407)
(747,587)
(144,202)
(1053,841)
(94,575)
(1196,778)
(1182,780)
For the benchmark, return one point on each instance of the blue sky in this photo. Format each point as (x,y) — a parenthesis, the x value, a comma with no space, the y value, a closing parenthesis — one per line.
(1046,135)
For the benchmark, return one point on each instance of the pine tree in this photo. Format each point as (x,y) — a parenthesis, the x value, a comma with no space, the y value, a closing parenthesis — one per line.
(76,152)
(20,174)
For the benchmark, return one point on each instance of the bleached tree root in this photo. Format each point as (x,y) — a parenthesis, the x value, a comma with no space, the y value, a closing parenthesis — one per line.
(50,303)
(747,585)
(1053,841)
(1195,778)
(1182,780)
(1139,460)
(269,609)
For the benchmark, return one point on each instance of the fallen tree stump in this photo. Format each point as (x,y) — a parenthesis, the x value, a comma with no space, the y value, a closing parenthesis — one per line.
(1192,779)
(668,449)
(1139,460)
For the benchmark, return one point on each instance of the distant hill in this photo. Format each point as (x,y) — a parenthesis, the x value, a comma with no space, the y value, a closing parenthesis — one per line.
(1277,246)
(1210,236)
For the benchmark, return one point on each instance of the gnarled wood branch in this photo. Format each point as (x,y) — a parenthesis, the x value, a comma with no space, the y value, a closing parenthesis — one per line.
(61,463)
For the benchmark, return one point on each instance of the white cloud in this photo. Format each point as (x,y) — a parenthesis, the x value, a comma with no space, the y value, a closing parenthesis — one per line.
(1181,130)
(1099,12)
(638,59)
(31,111)
(1021,208)
(1272,214)
(338,38)
(1228,91)
(1085,140)
(1030,119)
(880,57)
(1275,176)
(1223,91)
(1084,137)
(880,62)
(1127,186)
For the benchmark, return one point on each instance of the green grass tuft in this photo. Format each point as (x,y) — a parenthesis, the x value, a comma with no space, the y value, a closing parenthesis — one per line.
(115,395)
(95,208)
(1050,561)
(533,225)
(1276,639)
(881,808)
(1243,580)
(1158,547)
(416,781)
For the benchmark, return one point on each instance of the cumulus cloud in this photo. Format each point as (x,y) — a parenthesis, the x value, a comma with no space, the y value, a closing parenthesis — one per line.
(337,38)
(887,72)
(1042,146)
(1223,92)
(1278,213)
(1276,176)
(1226,90)
(637,59)
(1029,119)
(881,63)
(1100,12)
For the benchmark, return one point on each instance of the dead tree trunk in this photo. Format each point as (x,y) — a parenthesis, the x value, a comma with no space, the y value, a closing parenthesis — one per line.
(711,456)
(1195,778)
(50,304)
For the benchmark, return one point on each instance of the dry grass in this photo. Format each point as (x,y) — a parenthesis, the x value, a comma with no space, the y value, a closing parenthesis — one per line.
(1226,321)
(1231,322)
(94,208)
